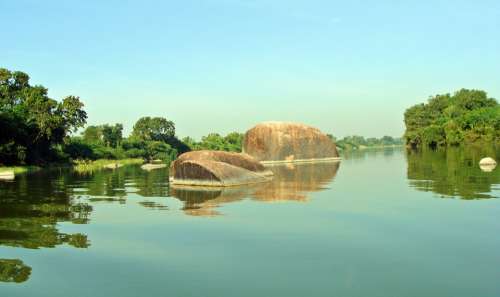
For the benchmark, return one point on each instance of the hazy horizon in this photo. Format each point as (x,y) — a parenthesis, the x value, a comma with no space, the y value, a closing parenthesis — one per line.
(222,66)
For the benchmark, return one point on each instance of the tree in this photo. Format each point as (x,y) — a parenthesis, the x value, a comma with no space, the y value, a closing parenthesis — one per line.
(112,135)
(467,116)
(154,129)
(33,125)
(92,134)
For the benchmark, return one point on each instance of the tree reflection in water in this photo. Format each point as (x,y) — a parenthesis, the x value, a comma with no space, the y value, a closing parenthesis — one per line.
(33,206)
(453,172)
(14,271)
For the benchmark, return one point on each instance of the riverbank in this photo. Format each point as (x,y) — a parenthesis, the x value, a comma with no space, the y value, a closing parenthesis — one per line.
(19,169)
(80,166)
(364,147)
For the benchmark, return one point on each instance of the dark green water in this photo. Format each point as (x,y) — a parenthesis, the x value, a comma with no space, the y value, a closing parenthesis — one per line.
(382,223)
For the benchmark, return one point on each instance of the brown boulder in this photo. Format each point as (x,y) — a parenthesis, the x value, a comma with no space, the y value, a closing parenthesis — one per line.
(288,142)
(216,168)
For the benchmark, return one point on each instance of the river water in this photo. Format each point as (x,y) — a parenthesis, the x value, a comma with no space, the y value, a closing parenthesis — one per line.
(379,223)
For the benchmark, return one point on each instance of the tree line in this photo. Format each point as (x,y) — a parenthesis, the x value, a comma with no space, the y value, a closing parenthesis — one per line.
(355,142)
(467,116)
(37,129)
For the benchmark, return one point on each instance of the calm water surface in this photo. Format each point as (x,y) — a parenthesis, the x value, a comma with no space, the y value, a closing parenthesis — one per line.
(380,223)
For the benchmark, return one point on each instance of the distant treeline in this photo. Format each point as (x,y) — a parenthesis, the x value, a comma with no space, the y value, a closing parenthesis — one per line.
(467,116)
(356,142)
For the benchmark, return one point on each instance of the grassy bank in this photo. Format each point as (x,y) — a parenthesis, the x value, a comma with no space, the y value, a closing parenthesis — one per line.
(19,169)
(82,166)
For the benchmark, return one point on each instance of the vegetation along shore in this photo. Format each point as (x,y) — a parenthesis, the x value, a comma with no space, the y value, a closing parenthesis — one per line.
(38,131)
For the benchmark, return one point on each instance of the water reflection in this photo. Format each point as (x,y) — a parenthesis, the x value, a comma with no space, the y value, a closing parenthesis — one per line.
(454,172)
(370,153)
(291,182)
(33,206)
(14,271)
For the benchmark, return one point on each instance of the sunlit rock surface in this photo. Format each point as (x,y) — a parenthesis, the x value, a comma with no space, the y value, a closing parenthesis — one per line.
(7,175)
(487,164)
(291,182)
(288,142)
(217,168)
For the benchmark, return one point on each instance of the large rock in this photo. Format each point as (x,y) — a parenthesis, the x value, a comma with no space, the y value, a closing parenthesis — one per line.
(217,168)
(288,142)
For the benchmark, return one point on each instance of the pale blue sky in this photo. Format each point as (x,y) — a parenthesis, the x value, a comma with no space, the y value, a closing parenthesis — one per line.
(347,67)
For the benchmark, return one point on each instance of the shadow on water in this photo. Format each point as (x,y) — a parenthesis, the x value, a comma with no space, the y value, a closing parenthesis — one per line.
(291,182)
(454,172)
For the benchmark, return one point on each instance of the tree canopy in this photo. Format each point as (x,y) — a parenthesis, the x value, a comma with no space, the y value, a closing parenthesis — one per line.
(32,123)
(154,129)
(232,142)
(467,116)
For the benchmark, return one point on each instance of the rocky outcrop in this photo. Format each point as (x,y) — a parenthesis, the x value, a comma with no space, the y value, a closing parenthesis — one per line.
(288,142)
(217,168)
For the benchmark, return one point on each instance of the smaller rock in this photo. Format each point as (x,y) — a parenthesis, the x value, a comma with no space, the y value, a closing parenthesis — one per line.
(7,175)
(217,169)
(487,164)
(487,161)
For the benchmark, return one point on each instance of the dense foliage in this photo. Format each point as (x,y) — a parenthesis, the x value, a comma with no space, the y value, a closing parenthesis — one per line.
(467,116)
(151,139)
(33,125)
(213,141)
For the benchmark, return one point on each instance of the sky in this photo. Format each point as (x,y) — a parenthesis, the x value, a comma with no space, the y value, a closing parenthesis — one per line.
(346,67)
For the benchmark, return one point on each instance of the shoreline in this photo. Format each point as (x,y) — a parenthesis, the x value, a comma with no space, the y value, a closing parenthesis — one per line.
(80,166)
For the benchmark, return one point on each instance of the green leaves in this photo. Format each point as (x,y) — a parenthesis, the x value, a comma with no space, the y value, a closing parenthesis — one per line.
(154,129)
(214,141)
(32,120)
(467,116)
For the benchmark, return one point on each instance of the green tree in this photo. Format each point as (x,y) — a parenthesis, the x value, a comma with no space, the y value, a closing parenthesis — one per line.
(467,116)
(112,135)
(34,125)
(154,129)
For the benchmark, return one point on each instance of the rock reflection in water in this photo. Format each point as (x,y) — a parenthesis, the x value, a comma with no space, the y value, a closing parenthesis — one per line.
(291,182)
(201,201)
(296,181)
